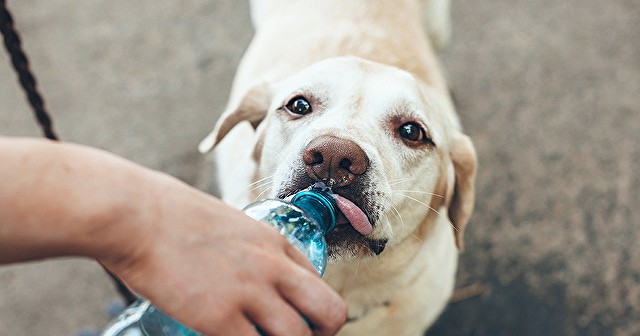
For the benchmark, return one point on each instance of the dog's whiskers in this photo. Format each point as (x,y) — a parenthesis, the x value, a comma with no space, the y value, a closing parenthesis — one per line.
(264,189)
(260,186)
(366,263)
(397,213)
(432,209)
(420,192)
(263,183)
(401,180)
(353,277)
(259,181)
(261,193)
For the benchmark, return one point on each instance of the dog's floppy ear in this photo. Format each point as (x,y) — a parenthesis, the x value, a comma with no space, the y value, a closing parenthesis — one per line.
(463,157)
(252,107)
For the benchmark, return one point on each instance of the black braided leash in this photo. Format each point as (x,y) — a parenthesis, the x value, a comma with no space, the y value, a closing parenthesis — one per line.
(28,82)
(21,65)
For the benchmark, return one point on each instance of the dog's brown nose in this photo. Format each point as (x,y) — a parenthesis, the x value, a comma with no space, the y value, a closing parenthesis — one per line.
(334,160)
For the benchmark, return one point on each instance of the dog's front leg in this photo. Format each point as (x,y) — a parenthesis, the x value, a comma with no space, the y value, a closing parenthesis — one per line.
(403,317)
(387,319)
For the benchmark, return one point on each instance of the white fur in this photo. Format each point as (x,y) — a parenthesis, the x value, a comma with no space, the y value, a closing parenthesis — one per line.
(364,63)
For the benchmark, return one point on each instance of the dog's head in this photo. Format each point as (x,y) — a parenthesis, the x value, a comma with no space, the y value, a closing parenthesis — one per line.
(389,148)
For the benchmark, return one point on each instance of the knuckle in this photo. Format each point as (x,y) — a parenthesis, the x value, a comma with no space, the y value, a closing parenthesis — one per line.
(337,315)
(301,328)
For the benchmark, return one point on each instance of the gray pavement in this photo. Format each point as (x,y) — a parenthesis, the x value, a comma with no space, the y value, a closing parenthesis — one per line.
(548,90)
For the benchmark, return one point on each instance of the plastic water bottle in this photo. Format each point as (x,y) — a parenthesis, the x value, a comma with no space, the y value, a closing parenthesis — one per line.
(305,221)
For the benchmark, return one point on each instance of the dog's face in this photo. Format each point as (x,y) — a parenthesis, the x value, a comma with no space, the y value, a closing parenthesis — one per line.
(371,133)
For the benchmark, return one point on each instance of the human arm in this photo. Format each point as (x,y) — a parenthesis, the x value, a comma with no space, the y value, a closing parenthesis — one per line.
(204,263)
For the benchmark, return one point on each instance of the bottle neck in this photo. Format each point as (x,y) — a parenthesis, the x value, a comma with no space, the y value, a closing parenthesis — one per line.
(318,205)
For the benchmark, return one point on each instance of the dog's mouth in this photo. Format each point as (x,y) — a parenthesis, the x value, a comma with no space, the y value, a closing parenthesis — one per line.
(353,225)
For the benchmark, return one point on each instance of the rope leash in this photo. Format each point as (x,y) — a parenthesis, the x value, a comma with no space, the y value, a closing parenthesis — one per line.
(20,63)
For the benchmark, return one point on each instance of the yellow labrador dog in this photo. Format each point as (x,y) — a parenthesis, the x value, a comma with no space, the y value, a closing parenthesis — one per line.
(349,92)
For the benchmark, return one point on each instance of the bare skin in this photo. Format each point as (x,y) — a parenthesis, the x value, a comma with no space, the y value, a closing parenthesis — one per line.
(206,264)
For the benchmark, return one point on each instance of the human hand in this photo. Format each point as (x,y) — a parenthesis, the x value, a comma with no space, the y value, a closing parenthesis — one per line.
(218,271)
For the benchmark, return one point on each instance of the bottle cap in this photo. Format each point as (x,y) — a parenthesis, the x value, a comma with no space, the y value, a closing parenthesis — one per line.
(319,198)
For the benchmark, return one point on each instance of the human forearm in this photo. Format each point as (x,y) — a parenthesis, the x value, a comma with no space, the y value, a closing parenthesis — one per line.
(58,199)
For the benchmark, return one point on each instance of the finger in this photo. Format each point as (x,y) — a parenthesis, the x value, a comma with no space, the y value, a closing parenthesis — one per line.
(291,251)
(315,300)
(239,325)
(299,258)
(275,316)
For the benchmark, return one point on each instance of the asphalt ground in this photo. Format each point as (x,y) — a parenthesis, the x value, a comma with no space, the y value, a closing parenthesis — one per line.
(549,91)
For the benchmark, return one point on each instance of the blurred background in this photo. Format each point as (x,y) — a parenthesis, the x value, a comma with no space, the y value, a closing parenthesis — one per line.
(548,90)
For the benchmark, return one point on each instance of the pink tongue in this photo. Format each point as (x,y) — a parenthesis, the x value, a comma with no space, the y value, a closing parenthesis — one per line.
(356,217)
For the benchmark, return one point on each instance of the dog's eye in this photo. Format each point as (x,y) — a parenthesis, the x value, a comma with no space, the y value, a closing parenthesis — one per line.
(413,133)
(299,105)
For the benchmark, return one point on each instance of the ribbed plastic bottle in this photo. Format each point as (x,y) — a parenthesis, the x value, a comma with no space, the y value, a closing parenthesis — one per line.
(304,221)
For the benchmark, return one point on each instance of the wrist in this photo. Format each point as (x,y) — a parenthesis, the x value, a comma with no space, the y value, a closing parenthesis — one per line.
(124,224)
